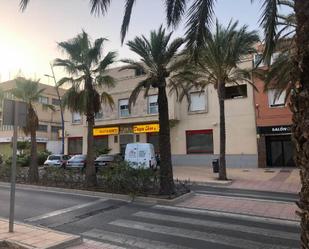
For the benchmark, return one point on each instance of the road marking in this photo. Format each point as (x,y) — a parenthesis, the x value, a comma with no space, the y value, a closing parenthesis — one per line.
(229,215)
(196,235)
(63,211)
(129,240)
(247,196)
(220,225)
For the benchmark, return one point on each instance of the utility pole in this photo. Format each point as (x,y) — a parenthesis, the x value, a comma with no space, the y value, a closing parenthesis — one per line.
(60,103)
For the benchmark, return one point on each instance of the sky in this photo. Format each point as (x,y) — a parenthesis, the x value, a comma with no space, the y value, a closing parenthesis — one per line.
(28,40)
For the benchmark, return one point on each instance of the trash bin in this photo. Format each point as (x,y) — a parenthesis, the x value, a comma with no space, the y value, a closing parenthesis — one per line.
(215,165)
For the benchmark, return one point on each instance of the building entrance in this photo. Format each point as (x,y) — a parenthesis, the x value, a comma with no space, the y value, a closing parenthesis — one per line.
(125,139)
(279,151)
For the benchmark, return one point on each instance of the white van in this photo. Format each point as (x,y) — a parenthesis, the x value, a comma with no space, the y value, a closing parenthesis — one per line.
(141,155)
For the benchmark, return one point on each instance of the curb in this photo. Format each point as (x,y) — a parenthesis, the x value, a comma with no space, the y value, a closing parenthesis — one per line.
(121,197)
(68,243)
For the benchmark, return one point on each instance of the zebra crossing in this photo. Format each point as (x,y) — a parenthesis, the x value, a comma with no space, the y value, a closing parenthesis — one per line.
(173,228)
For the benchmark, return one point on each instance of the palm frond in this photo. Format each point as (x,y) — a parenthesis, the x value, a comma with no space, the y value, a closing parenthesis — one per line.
(107,99)
(175,9)
(136,91)
(105,80)
(107,61)
(23,4)
(99,6)
(126,19)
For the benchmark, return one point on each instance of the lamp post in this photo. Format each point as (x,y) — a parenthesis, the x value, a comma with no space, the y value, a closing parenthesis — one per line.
(60,103)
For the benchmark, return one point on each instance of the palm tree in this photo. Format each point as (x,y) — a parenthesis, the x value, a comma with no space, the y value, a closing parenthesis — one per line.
(29,92)
(157,54)
(87,69)
(218,66)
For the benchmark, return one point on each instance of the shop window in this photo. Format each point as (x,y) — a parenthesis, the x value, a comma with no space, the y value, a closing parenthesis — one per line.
(42,128)
(43,100)
(153,104)
(75,146)
(76,118)
(124,108)
(99,115)
(56,102)
(236,92)
(137,138)
(198,101)
(199,142)
(55,129)
(276,98)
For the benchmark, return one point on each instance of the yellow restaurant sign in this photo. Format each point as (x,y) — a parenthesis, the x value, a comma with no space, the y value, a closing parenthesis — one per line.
(105,131)
(146,128)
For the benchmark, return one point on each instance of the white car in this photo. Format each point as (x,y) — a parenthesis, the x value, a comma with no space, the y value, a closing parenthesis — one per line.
(57,160)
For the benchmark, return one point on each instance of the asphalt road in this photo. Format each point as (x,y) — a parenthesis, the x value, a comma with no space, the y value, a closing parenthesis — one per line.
(133,225)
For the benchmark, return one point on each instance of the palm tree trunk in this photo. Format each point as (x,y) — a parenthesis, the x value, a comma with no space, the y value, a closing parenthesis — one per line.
(33,170)
(166,170)
(300,109)
(91,178)
(222,160)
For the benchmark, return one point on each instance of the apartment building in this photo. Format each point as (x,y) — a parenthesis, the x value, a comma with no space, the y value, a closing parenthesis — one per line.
(194,129)
(273,119)
(49,121)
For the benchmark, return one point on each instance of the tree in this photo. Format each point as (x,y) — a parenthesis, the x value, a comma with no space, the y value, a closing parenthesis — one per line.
(29,92)
(87,70)
(157,55)
(218,66)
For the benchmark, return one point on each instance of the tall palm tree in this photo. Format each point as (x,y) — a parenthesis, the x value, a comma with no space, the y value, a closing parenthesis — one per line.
(218,66)
(29,92)
(88,80)
(157,54)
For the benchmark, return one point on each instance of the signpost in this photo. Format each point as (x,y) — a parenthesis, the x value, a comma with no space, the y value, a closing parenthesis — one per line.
(14,113)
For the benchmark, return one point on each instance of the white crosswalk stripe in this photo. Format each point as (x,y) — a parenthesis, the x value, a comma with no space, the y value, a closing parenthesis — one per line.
(128,240)
(195,235)
(219,225)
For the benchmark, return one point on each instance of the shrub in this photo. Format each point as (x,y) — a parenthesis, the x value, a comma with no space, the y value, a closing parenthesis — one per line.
(42,156)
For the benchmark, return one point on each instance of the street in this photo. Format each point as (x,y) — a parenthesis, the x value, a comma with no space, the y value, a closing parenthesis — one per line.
(137,225)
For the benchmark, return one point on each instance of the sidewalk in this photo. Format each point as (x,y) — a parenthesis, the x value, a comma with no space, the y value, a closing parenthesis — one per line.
(32,237)
(276,180)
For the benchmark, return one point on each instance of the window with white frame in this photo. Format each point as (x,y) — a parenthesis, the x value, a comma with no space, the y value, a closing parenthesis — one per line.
(153,104)
(124,108)
(258,60)
(43,100)
(276,98)
(76,118)
(99,115)
(198,101)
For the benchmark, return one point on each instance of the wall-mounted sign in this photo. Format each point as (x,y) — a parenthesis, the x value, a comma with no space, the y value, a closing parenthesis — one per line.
(282,129)
(146,128)
(105,131)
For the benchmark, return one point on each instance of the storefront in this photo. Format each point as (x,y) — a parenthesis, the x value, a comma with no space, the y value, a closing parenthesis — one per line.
(116,138)
(275,148)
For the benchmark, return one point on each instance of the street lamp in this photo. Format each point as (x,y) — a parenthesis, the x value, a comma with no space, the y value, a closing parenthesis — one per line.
(60,103)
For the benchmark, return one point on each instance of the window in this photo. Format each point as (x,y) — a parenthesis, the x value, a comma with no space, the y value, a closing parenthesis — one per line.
(99,115)
(55,129)
(75,145)
(198,101)
(276,98)
(43,100)
(42,128)
(137,138)
(236,92)
(76,118)
(139,72)
(124,108)
(55,101)
(258,60)
(199,142)
(153,104)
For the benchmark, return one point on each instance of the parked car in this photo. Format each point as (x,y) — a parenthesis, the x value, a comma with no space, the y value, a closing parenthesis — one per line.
(57,160)
(106,160)
(141,155)
(77,161)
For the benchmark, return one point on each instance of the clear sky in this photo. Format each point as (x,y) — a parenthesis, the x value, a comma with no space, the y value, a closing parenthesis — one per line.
(28,41)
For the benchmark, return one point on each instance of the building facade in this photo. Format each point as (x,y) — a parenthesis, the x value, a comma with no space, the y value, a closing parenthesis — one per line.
(194,128)
(273,119)
(49,121)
